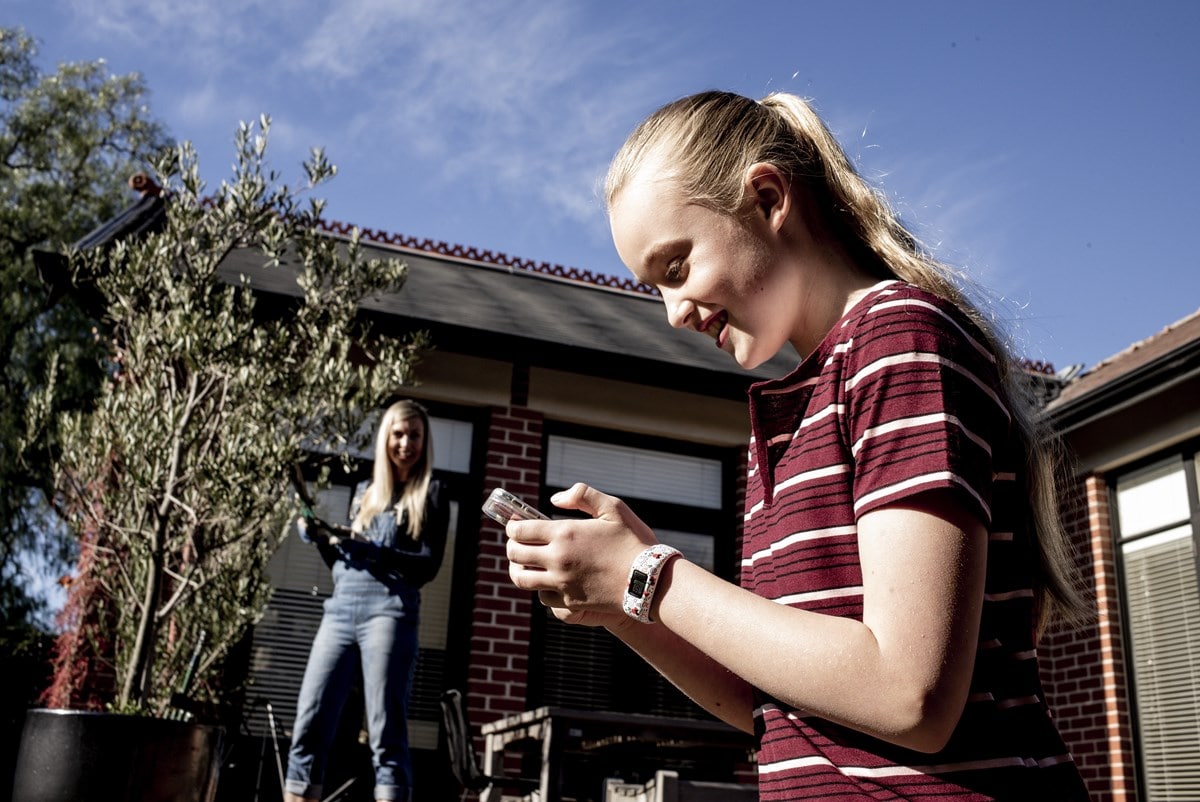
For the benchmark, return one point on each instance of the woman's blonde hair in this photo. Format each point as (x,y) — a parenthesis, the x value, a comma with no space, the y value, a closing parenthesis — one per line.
(378,495)
(710,140)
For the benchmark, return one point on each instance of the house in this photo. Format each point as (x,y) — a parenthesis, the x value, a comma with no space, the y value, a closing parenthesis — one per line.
(542,376)
(1126,691)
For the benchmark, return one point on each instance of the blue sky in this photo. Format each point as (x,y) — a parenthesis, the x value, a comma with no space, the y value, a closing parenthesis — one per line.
(1047,148)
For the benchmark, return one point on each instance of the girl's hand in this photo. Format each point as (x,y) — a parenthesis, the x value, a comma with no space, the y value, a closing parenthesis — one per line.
(579,567)
(585,618)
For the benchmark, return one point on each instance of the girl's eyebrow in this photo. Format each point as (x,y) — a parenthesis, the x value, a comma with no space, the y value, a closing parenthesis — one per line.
(661,251)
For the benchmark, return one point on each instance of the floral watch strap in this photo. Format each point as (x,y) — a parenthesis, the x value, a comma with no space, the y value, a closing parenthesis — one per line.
(643,579)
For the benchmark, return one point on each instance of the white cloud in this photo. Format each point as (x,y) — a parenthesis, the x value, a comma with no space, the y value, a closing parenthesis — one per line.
(520,97)
(186,26)
(525,99)
(199,105)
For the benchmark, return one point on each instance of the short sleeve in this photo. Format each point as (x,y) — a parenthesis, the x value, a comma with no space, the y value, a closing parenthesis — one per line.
(923,405)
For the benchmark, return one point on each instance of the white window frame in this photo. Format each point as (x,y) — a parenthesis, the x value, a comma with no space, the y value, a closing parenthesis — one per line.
(1157,526)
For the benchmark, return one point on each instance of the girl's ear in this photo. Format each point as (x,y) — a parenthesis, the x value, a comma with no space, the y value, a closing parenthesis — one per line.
(769,190)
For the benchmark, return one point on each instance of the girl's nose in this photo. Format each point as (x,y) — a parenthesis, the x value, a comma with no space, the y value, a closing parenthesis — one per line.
(679,310)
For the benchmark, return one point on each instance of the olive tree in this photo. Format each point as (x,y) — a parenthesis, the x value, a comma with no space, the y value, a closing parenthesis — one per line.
(176,482)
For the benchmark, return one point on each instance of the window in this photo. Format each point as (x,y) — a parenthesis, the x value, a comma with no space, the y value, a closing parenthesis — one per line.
(684,497)
(1157,519)
(628,471)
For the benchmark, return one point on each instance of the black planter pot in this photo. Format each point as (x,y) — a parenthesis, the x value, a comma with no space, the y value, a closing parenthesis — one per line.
(77,756)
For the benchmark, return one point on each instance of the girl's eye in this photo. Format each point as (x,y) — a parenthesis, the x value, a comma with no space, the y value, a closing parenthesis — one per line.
(674,271)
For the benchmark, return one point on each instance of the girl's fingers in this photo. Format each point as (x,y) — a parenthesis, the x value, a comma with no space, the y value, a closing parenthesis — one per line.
(533,533)
(527,577)
(525,555)
(582,497)
(517,532)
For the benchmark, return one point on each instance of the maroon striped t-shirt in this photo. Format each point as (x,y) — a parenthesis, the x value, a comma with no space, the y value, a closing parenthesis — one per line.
(902,397)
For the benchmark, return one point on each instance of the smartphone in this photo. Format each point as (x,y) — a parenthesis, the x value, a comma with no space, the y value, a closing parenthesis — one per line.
(503,507)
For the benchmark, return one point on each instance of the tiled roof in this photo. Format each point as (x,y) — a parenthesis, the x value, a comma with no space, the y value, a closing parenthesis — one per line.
(444,291)
(487,304)
(488,257)
(1138,357)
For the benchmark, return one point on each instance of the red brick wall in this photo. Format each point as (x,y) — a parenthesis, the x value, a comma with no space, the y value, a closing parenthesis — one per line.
(502,613)
(1083,669)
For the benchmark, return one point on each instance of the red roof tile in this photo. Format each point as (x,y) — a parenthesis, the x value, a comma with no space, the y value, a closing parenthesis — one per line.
(1138,355)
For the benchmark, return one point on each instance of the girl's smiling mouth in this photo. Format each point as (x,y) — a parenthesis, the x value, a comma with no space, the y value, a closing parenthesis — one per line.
(714,326)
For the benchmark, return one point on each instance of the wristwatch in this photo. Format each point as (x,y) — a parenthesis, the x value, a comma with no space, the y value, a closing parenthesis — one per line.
(643,579)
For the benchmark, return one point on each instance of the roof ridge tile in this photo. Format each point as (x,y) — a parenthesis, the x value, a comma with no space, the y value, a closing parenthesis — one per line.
(489,257)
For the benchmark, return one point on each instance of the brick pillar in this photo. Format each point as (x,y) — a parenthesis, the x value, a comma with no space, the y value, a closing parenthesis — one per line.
(1084,669)
(500,626)
(1118,741)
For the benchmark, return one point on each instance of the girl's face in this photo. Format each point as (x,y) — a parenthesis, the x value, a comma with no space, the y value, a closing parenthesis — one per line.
(405,445)
(722,276)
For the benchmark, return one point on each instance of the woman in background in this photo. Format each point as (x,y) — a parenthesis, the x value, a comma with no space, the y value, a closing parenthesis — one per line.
(370,622)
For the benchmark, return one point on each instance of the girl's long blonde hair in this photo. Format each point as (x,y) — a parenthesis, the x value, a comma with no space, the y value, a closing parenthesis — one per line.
(378,495)
(712,138)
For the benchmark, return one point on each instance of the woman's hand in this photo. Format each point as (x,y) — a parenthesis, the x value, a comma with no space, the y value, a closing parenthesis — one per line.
(355,549)
(579,567)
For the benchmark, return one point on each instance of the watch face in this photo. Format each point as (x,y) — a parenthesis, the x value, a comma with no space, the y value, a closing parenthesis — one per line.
(637,584)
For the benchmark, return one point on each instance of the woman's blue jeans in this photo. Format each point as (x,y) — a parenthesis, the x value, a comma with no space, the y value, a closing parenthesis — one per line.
(367,625)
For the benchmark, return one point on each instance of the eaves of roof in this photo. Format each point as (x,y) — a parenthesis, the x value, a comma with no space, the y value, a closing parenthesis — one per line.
(144,216)
(1150,367)
(492,305)
(543,320)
